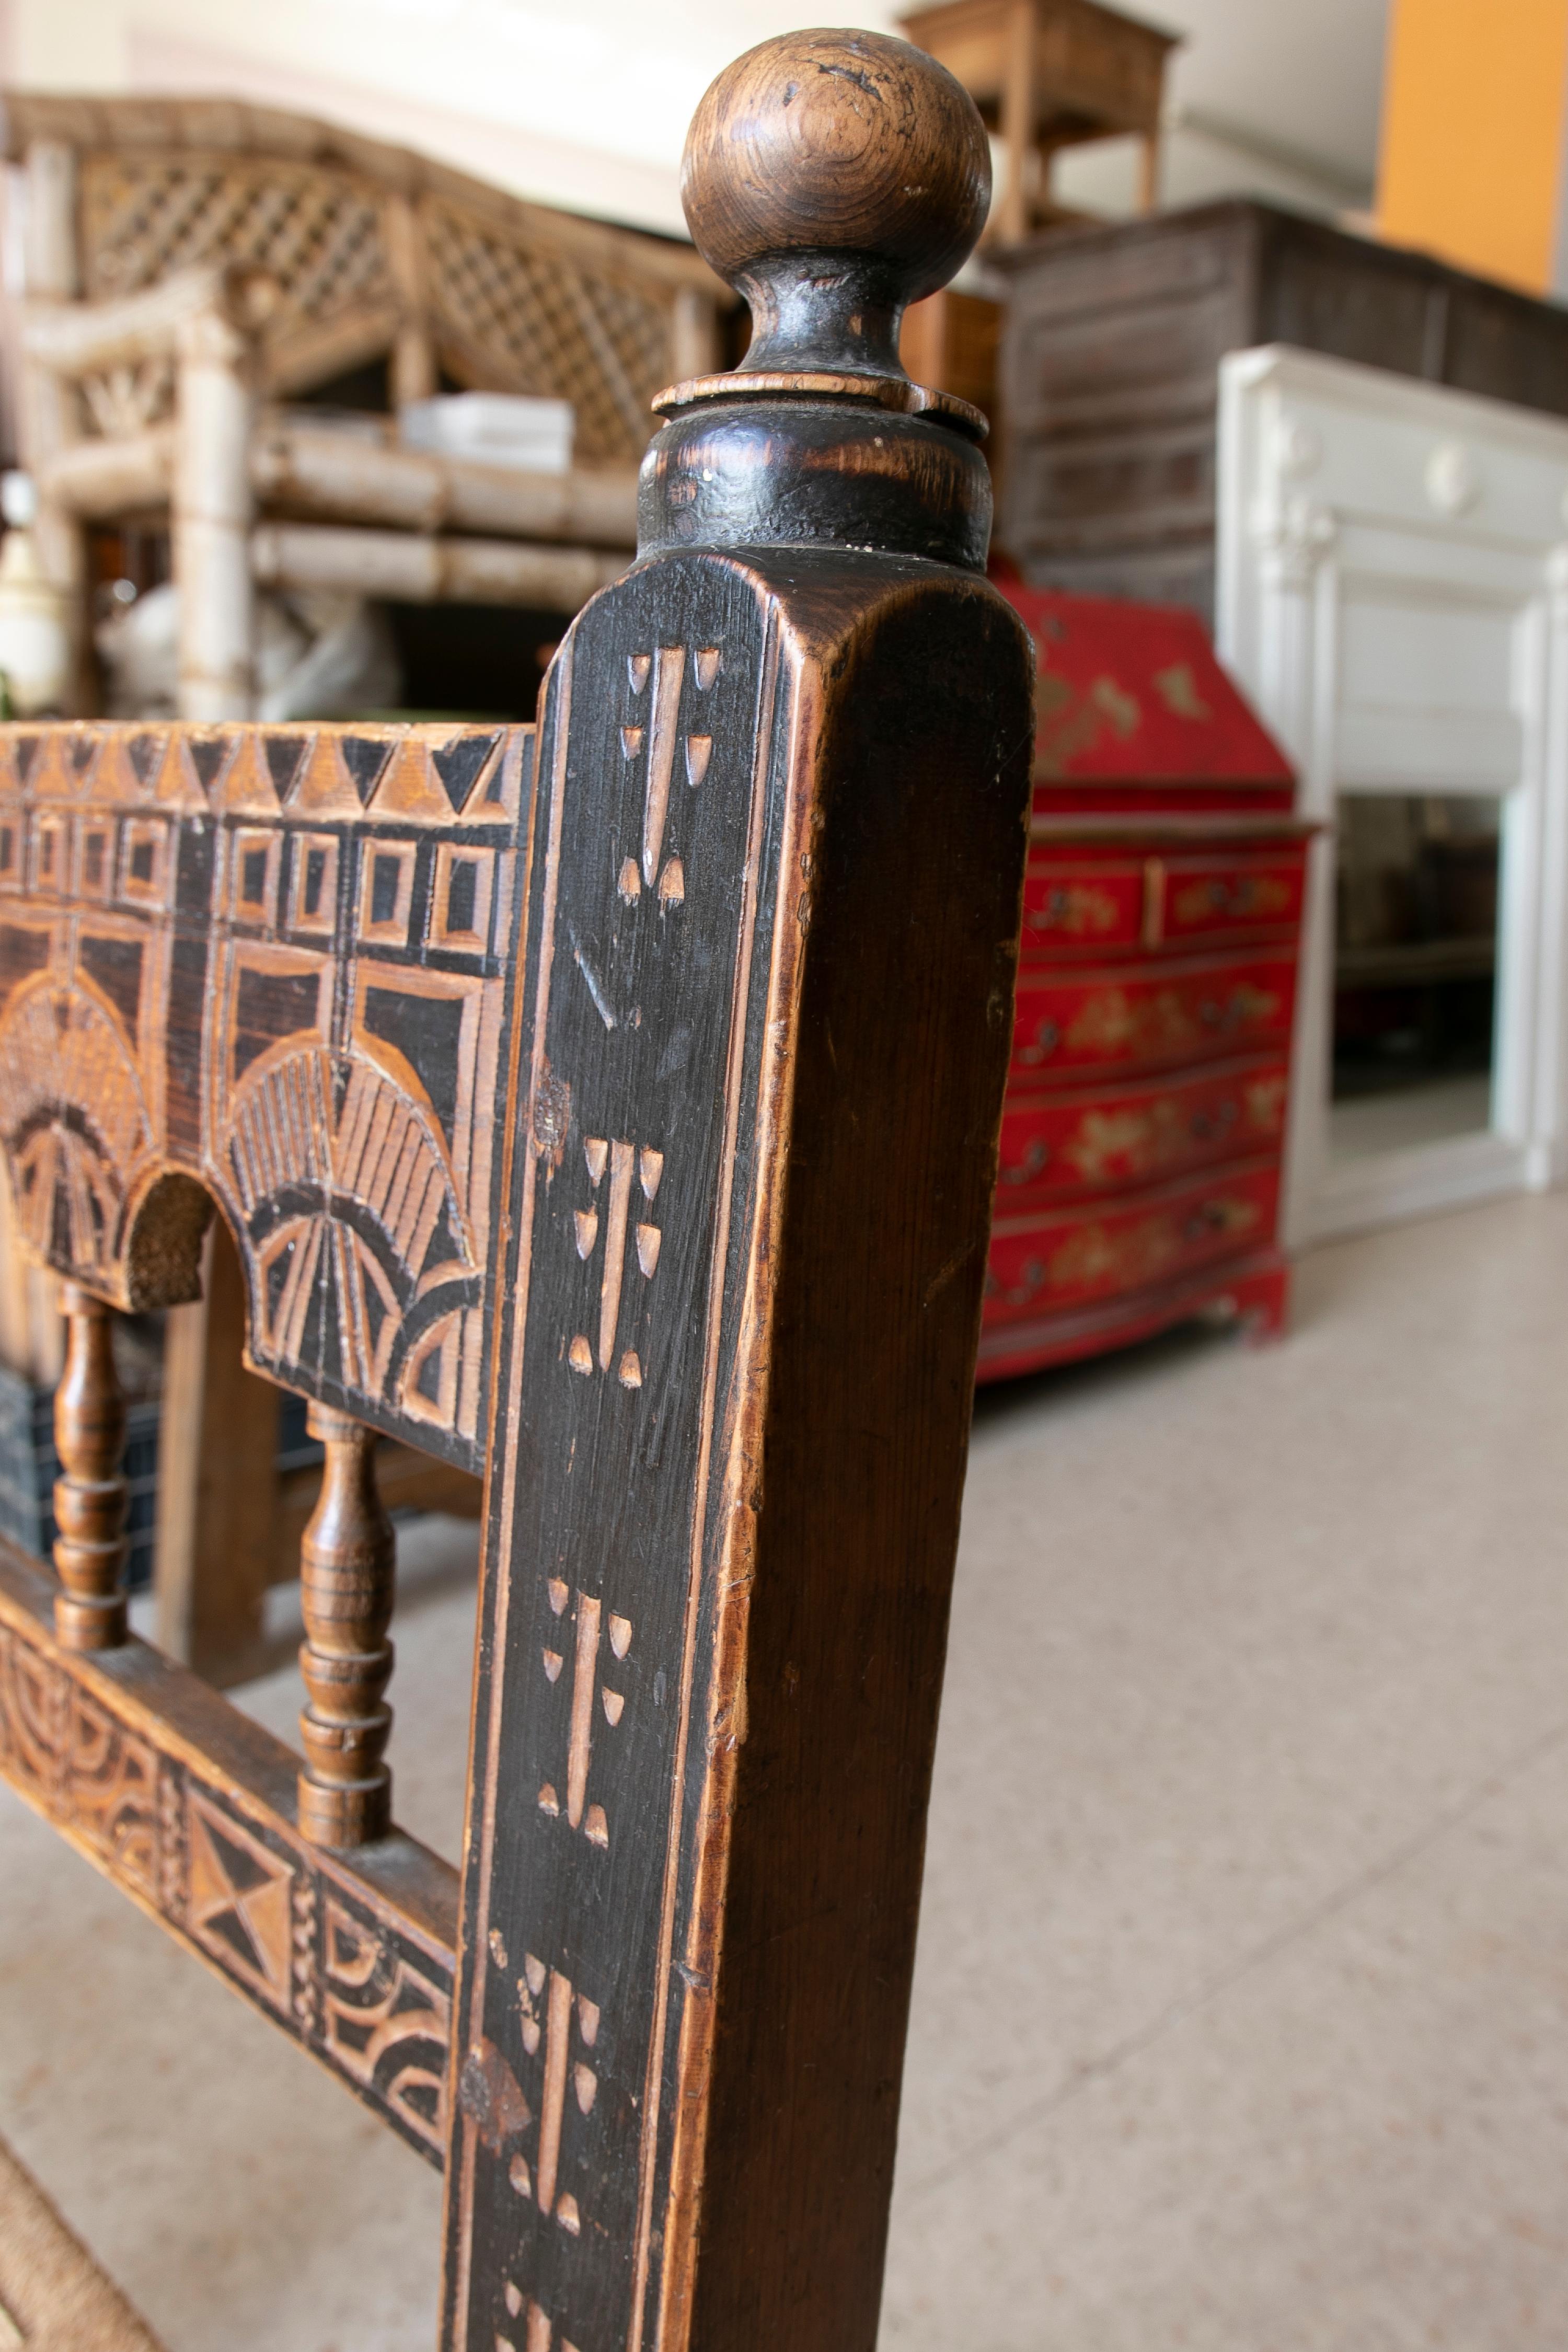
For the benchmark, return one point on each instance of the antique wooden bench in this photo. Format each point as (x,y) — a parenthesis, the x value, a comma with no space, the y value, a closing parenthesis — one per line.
(615,1110)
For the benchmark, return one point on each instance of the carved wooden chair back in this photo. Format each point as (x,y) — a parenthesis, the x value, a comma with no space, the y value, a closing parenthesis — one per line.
(615,1108)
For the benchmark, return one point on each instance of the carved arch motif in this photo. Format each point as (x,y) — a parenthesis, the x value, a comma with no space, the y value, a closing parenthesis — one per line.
(78,1124)
(360,1257)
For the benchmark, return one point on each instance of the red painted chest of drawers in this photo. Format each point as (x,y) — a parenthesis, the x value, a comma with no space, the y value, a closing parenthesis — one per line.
(1145,1112)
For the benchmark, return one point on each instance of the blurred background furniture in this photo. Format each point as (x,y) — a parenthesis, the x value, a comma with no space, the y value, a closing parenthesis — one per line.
(1392,596)
(1046,75)
(1110,365)
(1141,1138)
(207,282)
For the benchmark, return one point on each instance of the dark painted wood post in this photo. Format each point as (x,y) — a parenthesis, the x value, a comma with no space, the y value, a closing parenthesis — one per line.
(771,927)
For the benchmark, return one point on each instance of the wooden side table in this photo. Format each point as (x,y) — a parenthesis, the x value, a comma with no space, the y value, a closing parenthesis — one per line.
(1046,75)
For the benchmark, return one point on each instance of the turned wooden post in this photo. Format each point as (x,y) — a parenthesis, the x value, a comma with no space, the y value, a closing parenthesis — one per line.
(90,1495)
(47,408)
(211,511)
(346,1564)
(773,899)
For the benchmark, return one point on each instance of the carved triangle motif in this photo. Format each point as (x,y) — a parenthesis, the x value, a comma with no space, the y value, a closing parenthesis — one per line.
(286,758)
(458,764)
(210,755)
(144,751)
(365,759)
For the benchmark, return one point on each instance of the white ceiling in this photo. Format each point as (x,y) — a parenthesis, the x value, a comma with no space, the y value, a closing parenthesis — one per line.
(587,104)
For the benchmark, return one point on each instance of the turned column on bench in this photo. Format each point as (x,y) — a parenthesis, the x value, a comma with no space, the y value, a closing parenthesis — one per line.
(90,1495)
(346,1564)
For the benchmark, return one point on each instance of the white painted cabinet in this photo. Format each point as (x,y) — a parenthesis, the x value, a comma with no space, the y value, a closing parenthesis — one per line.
(1393,597)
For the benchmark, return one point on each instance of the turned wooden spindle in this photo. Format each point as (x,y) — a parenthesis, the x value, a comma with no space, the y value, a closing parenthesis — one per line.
(90,1495)
(346,1564)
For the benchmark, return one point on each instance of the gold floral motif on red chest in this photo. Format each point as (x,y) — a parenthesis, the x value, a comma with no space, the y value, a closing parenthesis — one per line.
(1241,898)
(1078,908)
(1169,1022)
(1127,1142)
(1108,1256)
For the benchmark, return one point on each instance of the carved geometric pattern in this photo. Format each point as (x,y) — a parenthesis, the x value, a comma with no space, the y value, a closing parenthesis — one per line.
(582,1695)
(656,731)
(76,1120)
(593,1626)
(60,1746)
(560,2030)
(386,2023)
(646,1241)
(359,1239)
(316,1947)
(548,326)
(265,958)
(239,1901)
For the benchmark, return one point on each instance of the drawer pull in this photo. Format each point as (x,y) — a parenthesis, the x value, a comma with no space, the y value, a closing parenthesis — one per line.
(1048,1037)
(1209,1124)
(1034,1163)
(1032,1282)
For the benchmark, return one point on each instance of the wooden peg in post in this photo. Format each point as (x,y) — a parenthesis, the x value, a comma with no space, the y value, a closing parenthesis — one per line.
(346,1565)
(763,1028)
(90,1495)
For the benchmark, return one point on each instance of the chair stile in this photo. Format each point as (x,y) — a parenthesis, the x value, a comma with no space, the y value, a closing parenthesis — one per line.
(622,1122)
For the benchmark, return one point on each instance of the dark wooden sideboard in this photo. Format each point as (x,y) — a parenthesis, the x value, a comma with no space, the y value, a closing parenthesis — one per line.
(1110,356)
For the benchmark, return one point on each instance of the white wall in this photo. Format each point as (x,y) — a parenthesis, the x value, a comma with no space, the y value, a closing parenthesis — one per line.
(585,104)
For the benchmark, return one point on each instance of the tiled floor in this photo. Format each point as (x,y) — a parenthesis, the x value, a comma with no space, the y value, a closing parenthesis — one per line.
(1241,2018)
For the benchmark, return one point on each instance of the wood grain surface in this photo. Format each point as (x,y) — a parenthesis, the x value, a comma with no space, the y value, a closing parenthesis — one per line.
(652,1095)
(267,967)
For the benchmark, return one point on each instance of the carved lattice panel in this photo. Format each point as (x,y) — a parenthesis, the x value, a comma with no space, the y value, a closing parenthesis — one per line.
(536,322)
(144,217)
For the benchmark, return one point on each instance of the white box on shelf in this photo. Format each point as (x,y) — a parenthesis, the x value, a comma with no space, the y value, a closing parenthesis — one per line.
(492,428)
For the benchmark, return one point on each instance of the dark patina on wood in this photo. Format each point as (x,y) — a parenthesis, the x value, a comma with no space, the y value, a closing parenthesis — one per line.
(267,967)
(763,1023)
(654,1099)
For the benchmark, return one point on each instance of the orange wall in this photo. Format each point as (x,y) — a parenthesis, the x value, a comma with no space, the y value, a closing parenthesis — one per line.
(1471,155)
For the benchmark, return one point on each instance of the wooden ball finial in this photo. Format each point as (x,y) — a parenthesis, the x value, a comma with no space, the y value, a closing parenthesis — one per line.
(834,177)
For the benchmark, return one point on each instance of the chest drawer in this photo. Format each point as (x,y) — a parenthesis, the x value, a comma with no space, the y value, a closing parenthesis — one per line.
(1082,904)
(1194,900)
(1076,1257)
(1147,1017)
(1092,1139)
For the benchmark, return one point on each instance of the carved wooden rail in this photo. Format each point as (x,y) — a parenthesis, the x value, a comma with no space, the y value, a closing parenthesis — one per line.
(625,1119)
